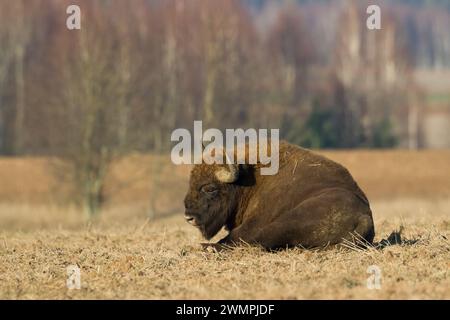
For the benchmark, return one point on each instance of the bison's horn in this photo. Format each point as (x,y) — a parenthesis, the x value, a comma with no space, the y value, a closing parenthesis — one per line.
(203,145)
(229,175)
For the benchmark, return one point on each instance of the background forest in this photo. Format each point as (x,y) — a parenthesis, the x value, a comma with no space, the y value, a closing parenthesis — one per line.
(139,69)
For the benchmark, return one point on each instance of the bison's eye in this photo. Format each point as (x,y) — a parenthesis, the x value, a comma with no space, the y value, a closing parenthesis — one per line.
(209,189)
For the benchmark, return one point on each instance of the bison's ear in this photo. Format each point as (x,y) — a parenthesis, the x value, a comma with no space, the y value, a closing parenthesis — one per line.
(246,175)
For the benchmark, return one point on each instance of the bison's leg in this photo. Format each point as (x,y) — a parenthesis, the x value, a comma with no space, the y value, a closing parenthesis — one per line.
(325,219)
(214,247)
(277,234)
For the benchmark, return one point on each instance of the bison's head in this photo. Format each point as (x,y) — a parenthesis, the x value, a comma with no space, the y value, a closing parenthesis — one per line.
(212,197)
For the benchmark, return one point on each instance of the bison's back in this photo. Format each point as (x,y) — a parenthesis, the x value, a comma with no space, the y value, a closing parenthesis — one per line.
(303,173)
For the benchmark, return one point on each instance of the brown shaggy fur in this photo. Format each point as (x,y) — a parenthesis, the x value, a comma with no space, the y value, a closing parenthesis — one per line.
(311,202)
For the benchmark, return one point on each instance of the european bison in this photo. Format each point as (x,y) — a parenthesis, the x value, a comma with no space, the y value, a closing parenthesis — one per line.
(311,202)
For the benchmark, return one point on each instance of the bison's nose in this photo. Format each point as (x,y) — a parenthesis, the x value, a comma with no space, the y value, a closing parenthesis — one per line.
(191,220)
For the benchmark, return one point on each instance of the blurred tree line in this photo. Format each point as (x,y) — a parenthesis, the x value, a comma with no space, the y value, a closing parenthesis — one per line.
(137,70)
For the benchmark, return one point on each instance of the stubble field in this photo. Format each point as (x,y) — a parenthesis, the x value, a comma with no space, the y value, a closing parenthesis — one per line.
(125,253)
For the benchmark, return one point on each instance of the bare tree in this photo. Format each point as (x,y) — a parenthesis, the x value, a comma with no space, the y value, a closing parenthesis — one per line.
(6,58)
(95,101)
(373,71)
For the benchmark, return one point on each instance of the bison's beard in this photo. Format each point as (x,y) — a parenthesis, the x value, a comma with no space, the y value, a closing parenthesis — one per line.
(213,225)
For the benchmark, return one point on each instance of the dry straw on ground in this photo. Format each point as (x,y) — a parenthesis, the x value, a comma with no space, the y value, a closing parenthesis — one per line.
(163,259)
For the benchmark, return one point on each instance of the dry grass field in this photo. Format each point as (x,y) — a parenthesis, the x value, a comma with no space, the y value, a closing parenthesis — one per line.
(126,255)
